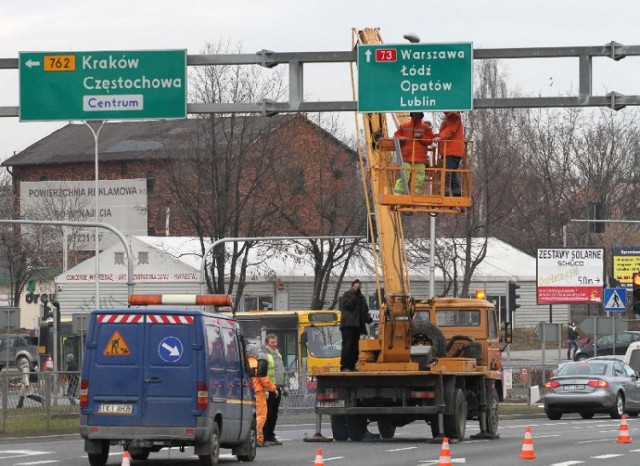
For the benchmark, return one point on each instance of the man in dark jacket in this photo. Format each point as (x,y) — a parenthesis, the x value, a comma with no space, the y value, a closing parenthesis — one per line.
(355,314)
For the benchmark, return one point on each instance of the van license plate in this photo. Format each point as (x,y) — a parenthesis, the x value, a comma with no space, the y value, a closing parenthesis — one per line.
(115,409)
(331,404)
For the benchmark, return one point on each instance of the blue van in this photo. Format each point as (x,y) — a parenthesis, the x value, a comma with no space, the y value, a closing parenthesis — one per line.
(166,378)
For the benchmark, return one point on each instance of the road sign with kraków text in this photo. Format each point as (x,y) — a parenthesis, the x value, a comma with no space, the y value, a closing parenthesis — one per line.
(106,85)
(415,77)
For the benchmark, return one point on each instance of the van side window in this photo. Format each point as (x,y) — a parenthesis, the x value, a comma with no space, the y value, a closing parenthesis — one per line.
(231,349)
(215,347)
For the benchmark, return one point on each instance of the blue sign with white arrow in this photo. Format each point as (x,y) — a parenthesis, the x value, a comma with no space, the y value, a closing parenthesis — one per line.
(170,349)
(615,299)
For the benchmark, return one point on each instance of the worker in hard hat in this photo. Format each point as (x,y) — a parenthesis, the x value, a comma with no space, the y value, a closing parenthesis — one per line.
(261,385)
(415,137)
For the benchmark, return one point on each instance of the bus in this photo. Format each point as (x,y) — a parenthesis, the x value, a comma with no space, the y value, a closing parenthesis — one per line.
(306,339)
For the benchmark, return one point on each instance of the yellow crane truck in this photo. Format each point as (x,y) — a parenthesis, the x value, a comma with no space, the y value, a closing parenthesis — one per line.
(436,360)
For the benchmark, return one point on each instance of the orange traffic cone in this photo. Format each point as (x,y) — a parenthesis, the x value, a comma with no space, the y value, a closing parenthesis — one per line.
(319,460)
(445,453)
(623,433)
(126,459)
(527,452)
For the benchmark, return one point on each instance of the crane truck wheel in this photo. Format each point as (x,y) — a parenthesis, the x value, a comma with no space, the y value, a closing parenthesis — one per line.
(493,416)
(455,425)
(356,427)
(425,333)
(339,428)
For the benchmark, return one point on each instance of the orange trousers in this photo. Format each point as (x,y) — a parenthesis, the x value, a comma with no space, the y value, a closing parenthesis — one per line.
(261,413)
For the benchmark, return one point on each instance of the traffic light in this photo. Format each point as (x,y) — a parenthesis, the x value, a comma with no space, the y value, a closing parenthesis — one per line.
(596,212)
(636,293)
(512,297)
(47,312)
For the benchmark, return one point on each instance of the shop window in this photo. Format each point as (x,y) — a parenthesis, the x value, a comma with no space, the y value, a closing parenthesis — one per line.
(262,303)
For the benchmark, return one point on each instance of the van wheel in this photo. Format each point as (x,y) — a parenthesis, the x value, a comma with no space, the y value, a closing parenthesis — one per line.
(100,459)
(214,448)
(247,451)
(139,454)
(386,429)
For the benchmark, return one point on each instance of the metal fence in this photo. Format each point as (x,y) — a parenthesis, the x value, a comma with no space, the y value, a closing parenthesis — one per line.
(523,378)
(49,395)
(52,388)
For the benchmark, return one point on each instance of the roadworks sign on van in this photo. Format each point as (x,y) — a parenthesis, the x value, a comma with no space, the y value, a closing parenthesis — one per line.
(166,378)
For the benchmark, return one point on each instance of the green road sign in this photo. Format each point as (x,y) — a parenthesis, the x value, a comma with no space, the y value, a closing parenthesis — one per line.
(116,85)
(411,77)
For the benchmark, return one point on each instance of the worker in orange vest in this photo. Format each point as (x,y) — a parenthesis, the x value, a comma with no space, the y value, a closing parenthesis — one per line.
(451,146)
(261,385)
(415,136)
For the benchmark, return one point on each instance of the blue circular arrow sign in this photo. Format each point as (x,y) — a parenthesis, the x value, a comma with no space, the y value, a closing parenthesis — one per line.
(170,349)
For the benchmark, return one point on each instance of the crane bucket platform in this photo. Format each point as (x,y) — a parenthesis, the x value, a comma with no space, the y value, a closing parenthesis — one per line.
(427,189)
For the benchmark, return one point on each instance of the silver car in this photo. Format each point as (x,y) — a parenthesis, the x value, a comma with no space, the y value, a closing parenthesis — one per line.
(596,385)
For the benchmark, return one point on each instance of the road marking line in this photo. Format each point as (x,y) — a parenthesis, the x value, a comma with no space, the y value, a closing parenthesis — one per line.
(567,463)
(21,453)
(36,462)
(334,458)
(594,441)
(606,457)
(401,449)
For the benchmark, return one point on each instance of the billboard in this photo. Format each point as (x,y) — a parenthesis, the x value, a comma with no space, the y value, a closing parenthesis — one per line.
(121,203)
(626,261)
(569,275)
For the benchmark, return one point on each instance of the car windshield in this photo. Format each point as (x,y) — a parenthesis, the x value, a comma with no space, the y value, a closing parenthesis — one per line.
(584,368)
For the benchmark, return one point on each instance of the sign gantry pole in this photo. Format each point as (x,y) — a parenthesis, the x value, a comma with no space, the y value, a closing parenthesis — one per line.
(96,135)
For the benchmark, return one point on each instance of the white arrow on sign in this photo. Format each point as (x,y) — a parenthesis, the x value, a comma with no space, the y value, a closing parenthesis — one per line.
(368,54)
(30,63)
(173,350)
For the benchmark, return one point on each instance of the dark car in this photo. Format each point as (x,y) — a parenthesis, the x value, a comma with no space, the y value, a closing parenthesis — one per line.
(13,348)
(598,385)
(605,347)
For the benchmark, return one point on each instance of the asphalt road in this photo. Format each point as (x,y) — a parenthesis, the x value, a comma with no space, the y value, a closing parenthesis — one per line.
(571,441)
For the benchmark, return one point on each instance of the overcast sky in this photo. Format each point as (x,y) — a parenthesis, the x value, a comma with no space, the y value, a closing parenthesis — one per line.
(309,25)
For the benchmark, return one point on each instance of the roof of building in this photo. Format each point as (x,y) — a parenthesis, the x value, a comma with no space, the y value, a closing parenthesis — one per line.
(135,140)
(502,261)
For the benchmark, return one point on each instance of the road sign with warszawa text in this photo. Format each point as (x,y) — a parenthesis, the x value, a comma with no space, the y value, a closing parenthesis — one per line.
(569,275)
(415,77)
(105,85)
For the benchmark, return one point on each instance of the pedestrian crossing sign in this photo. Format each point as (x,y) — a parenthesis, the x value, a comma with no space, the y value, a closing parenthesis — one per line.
(615,299)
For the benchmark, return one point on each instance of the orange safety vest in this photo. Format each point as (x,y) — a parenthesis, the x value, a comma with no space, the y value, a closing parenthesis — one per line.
(416,141)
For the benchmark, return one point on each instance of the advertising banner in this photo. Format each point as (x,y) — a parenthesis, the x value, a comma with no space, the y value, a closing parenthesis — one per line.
(569,275)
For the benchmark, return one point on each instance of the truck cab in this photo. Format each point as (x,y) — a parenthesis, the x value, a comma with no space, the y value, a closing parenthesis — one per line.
(469,328)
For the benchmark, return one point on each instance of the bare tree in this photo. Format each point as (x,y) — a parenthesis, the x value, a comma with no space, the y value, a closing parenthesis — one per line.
(15,265)
(332,201)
